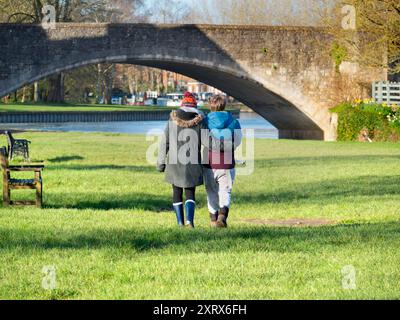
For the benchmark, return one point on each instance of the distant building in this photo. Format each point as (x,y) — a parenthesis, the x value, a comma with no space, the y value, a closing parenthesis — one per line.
(197,87)
(386,92)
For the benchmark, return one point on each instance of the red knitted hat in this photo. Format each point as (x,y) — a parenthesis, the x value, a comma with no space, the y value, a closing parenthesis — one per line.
(189,100)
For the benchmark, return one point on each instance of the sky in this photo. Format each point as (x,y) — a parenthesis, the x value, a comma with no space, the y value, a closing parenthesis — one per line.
(160,7)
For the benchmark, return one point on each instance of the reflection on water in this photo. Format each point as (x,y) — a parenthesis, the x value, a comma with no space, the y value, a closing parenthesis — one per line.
(263,129)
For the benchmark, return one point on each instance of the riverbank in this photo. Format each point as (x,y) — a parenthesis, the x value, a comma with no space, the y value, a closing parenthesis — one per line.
(108,229)
(34,108)
(81,116)
(11,114)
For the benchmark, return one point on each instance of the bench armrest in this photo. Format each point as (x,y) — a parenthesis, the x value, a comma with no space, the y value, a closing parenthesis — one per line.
(26,168)
(21,141)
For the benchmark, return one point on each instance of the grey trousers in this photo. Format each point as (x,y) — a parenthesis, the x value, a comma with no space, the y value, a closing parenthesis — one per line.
(219,184)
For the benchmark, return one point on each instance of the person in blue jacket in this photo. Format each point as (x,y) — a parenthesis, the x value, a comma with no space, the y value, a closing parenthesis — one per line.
(224,136)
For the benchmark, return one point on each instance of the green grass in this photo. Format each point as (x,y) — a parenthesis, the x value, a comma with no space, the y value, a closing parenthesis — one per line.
(107,228)
(40,107)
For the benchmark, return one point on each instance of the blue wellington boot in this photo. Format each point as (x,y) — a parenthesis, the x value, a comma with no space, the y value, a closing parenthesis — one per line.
(178,208)
(190,210)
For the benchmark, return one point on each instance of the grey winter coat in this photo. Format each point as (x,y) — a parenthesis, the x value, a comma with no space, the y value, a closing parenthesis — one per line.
(180,149)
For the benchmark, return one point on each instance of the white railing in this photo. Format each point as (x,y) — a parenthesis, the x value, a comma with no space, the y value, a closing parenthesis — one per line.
(386,92)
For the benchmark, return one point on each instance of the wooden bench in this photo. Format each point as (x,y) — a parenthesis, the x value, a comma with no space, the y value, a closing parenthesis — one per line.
(19,184)
(17,147)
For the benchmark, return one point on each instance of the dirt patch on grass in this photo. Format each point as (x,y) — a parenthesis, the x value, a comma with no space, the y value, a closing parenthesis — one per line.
(290,222)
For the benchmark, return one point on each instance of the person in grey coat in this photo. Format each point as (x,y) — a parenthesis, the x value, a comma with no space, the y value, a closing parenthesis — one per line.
(180,157)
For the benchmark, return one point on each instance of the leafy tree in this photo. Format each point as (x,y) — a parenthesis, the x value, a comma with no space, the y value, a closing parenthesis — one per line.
(375,42)
(257,12)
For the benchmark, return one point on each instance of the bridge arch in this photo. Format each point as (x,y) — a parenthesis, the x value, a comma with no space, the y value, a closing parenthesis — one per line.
(291,121)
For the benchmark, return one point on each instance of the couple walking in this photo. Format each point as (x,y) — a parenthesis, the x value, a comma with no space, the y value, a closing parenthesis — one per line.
(197,149)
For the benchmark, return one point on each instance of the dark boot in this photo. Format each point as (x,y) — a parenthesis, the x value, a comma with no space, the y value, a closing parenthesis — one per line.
(223,217)
(178,208)
(190,210)
(214,219)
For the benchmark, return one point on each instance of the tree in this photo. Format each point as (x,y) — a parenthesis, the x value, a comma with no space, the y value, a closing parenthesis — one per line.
(30,11)
(256,12)
(168,11)
(375,42)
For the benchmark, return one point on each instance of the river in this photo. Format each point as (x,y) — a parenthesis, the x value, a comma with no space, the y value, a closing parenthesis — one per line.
(262,128)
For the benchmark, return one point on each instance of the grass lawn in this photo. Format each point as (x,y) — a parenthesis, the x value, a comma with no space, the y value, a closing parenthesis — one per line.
(26,107)
(108,230)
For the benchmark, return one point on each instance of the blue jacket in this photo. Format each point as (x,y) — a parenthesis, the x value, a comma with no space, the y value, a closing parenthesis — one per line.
(222,125)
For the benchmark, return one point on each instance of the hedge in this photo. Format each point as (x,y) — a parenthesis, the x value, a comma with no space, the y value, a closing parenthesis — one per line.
(381,121)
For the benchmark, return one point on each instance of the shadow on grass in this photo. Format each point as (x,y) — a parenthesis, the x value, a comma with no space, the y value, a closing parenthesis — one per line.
(65,159)
(139,169)
(323,160)
(327,191)
(324,192)
(260,164)
(237,239)
(109,201)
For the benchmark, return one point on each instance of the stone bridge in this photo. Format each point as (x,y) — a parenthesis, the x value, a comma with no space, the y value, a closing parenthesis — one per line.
(285,74)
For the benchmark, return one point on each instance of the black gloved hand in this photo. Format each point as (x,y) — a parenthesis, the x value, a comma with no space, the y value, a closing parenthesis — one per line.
(161,168)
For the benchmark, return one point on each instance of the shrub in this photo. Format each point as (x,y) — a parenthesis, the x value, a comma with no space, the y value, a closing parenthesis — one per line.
(338,54)
(380,120)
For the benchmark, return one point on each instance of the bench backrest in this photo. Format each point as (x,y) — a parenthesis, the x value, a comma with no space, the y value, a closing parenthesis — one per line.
(3,158)
(10,138)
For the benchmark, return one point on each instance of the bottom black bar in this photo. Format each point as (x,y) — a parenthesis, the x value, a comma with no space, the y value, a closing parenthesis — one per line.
(197,309)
